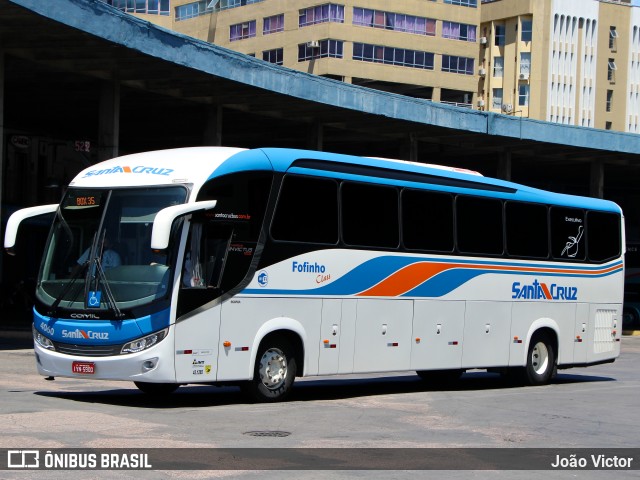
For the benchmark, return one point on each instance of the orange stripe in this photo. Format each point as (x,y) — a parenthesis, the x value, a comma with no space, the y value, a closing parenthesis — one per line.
(405,279)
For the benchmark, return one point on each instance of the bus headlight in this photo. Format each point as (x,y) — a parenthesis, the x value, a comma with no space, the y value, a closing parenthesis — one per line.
(143,343)
(41,340)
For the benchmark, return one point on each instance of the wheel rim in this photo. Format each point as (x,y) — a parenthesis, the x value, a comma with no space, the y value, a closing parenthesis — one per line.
(273,368)
(540,358)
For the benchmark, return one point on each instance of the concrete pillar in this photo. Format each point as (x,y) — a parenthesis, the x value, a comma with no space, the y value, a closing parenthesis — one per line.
(213,128)
(109,121)
(413,147)
(316,137)
(436,94)
(504,166)
(597,179)
(2,143)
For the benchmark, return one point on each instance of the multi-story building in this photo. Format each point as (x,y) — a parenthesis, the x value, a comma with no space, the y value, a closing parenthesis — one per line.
(574,62)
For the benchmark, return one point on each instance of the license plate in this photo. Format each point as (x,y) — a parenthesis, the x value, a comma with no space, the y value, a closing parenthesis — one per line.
(85,368)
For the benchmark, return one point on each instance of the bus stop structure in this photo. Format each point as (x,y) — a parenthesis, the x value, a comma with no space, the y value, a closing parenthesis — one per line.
(81,82)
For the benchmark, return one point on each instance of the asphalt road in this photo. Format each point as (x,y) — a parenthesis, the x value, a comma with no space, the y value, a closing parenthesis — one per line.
(594,407)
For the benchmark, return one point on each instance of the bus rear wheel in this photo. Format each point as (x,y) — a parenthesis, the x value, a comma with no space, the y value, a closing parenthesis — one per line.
(541,360)
(274,372)
(157,388)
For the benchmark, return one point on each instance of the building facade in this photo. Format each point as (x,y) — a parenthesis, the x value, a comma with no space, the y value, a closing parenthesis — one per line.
(575,62)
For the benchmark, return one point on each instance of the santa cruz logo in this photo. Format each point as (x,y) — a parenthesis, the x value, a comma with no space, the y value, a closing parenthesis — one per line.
(87,335)
(125,169)
(542,291)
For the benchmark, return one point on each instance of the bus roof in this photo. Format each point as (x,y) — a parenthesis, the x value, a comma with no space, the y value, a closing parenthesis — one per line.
(196,165)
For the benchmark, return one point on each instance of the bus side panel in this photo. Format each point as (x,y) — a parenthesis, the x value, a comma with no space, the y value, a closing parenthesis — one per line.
(348,335)
(606,332)
(487,329)
(330,337)
(383,335)
(197,340)
(245,321)
(439,326)
(582,334)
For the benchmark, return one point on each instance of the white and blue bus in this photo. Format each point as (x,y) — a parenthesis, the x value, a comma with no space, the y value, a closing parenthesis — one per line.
(251,267)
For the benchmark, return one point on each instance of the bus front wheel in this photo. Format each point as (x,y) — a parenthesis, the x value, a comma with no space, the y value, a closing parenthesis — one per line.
(274,372)
(541,360)
(157,388)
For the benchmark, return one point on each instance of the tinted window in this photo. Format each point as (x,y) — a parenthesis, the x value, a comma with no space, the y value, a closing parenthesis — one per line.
(427,220)
(370,215)
(527,230)
(479,225)
(603,235)
(567,233)
(307,211)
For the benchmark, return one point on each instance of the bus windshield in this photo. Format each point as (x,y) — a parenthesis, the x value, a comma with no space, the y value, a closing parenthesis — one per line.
(99,255)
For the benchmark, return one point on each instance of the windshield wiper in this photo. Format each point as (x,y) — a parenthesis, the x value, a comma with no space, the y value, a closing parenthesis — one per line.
(54,306)
(111,300)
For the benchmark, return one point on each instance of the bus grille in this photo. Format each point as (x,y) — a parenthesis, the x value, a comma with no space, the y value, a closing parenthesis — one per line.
(88,350)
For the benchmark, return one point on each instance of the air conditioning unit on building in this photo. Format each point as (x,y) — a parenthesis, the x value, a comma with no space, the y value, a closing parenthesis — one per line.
(524,76)
(483,40)
(482,72)
(507,108)
(480,102)
(313,44)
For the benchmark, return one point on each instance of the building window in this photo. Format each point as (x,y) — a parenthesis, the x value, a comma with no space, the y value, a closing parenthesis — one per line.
(323,49)
(150,7)
(608,125)
(525,64)
(526,31)
(273,24)
(273,56)
(400,22)
(240,31)
(463,3)
(500,35)
(523,95)
(498,67)
(453,64)
(609,99)
(225,4)
(189,10)
(392,56)
(496,103)
(613,36)
(611,70)
(459,31)
(328,12)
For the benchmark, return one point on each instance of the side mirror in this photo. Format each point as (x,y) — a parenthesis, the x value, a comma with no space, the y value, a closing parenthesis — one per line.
(165,217)
(17,218)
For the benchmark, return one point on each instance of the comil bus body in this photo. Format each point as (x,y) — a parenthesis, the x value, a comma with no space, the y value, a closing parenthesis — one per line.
(219,265)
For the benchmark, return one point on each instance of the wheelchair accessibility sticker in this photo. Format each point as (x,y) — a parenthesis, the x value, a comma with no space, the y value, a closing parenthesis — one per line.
(93,301)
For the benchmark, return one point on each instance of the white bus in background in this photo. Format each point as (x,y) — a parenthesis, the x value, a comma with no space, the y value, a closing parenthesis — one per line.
(252,267)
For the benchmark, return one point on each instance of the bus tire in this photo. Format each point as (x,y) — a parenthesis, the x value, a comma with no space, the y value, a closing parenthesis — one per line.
(440,377)
(157,388)
(274,371)
(541,360)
